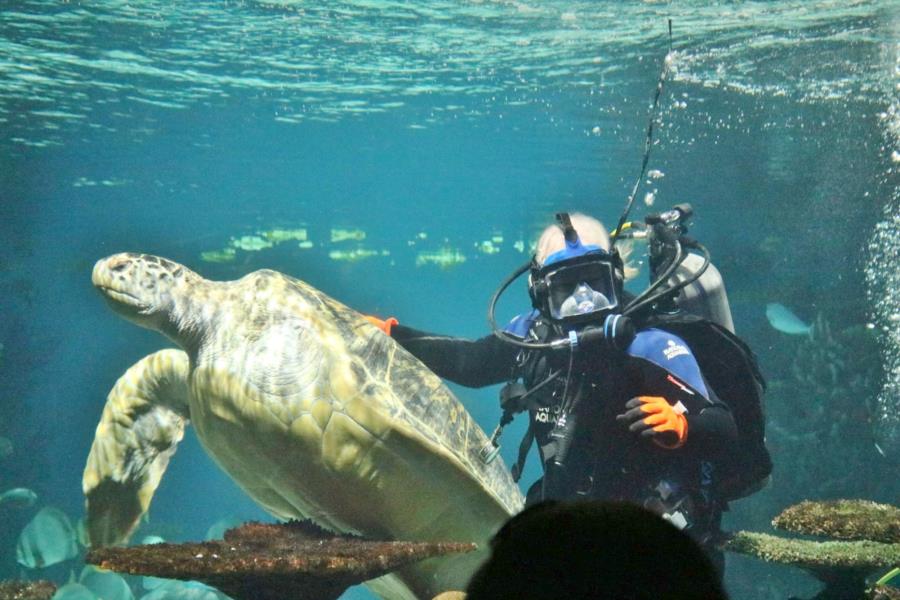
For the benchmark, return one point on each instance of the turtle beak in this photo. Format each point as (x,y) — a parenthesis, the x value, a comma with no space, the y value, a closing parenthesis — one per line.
(112,276)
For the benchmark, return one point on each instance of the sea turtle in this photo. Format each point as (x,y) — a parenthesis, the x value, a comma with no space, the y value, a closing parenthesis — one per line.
(313,411)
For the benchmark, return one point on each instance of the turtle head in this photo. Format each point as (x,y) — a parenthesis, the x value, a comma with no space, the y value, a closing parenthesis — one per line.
(141,287)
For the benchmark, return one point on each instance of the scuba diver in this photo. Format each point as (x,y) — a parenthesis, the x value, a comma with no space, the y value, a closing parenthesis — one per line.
(649,399)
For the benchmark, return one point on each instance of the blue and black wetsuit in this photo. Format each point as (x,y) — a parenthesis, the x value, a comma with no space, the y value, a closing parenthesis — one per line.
(604,460)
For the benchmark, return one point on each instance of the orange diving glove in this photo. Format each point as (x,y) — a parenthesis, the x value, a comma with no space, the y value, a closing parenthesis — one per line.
(654,417)
(384,325)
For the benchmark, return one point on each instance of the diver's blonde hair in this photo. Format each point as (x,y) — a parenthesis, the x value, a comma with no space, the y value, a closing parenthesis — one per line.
(590,231)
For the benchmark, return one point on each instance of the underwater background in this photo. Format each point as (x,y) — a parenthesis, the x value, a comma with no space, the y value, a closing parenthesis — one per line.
(402,157)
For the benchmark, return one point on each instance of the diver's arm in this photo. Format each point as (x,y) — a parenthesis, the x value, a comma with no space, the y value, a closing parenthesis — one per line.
(712,428)
(710,424)
(472,363)
(662,414)
(673,399)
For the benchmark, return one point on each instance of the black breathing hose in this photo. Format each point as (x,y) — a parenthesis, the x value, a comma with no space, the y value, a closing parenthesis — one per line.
(642,300)
(493,321)
(645,297)
(648,142)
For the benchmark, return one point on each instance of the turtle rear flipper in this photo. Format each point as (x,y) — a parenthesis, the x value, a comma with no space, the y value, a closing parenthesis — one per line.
(142,423)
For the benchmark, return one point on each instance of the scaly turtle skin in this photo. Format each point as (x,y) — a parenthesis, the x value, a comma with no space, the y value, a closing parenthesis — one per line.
(312,411)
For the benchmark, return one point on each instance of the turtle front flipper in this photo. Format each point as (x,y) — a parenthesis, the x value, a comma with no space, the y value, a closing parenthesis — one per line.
(142,423)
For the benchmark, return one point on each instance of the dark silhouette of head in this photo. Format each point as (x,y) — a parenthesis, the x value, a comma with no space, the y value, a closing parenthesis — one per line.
(573,550)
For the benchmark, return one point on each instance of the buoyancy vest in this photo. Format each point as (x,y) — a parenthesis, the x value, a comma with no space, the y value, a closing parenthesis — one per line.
(730,368)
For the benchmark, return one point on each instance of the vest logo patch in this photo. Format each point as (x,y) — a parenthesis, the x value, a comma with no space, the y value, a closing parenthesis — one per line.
(546,414)
(673,349)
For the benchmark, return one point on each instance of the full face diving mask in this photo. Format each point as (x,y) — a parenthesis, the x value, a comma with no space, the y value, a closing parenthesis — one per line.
(577,289)
(578,283)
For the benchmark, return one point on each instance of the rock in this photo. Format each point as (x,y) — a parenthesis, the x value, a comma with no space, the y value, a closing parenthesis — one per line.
(297,560)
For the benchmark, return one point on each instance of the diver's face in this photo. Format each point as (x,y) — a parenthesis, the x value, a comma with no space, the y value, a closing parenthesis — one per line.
(583,300)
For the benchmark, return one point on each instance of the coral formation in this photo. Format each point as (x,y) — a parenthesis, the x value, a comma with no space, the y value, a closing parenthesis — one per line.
(27,590)
(843,520)
(822,559)
(841,565)
(840,367)
(883,592)
(268,562)
(826,401)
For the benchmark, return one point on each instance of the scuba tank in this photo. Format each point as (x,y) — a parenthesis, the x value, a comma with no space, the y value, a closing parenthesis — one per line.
(706,296)
(681,281)
(700,287)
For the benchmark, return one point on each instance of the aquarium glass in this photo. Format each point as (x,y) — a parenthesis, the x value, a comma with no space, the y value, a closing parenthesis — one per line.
(402,158)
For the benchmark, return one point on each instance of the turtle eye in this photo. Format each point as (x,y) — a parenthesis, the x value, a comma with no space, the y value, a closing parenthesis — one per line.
(119,267)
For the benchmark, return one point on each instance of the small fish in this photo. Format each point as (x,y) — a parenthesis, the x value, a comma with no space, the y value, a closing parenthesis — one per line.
(74,591)
(443,258)
(217,530)
(81,534)
(781,318)
(19,496)
(251,243)
(183,590)
(148,582)
(342,235)
(105,584)
(151,583)
(48,539)
(6,447)
(152,539)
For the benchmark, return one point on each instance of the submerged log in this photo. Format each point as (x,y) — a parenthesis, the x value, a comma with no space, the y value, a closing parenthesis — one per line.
(296,560)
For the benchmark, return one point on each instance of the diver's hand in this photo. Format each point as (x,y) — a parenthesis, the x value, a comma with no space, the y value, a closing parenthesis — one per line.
(384,325)
(654,417)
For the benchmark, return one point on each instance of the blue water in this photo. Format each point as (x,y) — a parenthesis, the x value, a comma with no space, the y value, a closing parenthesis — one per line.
(171,128)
